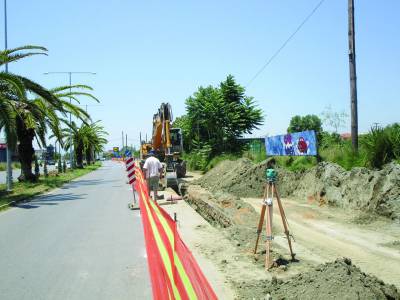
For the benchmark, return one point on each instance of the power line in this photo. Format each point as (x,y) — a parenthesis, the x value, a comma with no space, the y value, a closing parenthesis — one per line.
(286,42)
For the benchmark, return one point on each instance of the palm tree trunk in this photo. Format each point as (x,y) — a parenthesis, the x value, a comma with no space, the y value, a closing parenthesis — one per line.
(25,151)
(79,156)
(88,156)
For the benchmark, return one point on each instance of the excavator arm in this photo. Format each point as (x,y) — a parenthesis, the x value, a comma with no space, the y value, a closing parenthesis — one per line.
(167,141)
(161,128)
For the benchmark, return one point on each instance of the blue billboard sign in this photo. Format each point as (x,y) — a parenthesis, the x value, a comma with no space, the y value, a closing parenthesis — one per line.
(292,144)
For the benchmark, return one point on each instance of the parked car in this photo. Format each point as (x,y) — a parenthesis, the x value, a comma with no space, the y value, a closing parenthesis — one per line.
(51,162)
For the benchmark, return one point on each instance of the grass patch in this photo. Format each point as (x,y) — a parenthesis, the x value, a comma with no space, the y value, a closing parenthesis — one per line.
(25,190)
(295,164)
(15,165)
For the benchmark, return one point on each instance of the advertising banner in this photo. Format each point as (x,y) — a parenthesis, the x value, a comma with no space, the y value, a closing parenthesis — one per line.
(292,144)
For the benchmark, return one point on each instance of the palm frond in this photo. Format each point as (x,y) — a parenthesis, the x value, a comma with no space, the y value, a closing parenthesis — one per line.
(67,87)
(14,54)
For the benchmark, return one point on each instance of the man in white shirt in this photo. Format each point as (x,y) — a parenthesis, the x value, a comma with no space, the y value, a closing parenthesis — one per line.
(152,170)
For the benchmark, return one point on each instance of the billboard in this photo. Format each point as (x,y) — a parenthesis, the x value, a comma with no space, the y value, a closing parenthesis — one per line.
(292,144)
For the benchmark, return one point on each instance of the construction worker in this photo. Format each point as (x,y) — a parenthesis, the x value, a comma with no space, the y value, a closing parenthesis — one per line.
(152,170)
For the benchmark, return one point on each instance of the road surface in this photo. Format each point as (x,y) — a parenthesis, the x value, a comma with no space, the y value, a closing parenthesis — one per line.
(79,242)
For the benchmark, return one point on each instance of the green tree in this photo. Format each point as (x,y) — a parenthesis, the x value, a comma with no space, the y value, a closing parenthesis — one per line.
(95,141)
(25,119)
(13,89)
(217,116)
(308,122)
(38,117)
(87,140)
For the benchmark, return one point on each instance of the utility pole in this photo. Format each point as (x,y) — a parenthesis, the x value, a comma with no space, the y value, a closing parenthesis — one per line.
(353,77)
(122,149)
(8,150)
(126,140)
(71,156)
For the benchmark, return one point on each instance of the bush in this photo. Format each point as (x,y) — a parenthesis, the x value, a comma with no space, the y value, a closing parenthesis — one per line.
(299,163)
(199,158)
(255,151)
(343,155)
(381,145)
(15,165)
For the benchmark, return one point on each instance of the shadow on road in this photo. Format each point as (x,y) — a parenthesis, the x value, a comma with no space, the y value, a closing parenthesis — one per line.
(87,182)
(49,200)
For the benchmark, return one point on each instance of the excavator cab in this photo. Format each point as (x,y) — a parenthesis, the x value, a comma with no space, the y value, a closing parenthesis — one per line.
(173,160)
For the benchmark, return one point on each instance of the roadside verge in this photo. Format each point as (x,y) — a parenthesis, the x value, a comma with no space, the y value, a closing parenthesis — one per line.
(24,191)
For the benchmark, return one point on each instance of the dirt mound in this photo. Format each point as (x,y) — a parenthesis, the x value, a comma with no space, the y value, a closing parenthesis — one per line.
(335,280)
(360,188)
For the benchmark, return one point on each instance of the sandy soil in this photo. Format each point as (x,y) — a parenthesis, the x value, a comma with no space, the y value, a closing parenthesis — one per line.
(322,234)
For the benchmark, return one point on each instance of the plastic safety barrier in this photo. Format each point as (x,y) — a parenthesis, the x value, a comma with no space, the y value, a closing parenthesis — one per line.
(174,271)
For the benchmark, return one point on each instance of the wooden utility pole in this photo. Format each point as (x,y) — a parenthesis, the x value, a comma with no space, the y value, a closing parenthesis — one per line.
(353,78)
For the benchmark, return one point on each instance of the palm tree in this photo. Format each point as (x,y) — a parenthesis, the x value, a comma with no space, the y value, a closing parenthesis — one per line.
(12,89)
(13,92)
(87,140)
(95,141)
(27,119)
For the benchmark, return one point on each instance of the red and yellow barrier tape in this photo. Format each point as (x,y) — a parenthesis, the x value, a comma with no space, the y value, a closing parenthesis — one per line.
(174,272)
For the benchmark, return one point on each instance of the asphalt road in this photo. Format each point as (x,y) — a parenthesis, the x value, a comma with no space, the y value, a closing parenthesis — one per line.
(79,242)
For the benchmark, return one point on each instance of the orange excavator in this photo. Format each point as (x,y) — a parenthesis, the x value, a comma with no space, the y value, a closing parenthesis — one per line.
(167,142)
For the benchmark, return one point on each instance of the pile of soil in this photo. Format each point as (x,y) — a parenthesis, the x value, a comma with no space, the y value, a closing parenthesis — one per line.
(362,189)
(334,280)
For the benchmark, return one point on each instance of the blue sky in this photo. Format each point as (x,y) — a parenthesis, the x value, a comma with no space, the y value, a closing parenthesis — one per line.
(146,52)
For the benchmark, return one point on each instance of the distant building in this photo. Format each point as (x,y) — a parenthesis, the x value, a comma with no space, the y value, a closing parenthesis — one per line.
(345,136)
(3,151)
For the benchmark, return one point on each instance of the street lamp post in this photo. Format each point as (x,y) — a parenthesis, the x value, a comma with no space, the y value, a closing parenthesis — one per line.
(9,179)
(70,101)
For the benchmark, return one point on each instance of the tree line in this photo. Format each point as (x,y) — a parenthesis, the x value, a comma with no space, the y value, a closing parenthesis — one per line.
(217,117)
(30,112)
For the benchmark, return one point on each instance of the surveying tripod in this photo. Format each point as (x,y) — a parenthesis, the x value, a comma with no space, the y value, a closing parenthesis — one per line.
(267,207)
